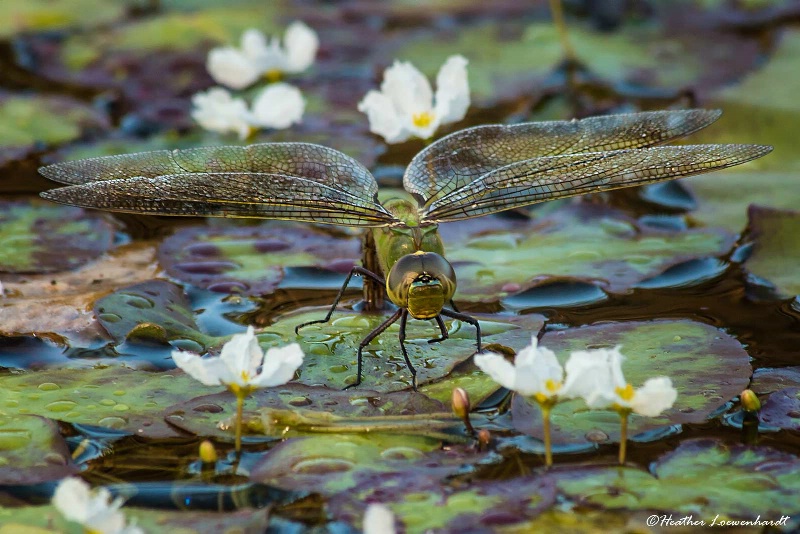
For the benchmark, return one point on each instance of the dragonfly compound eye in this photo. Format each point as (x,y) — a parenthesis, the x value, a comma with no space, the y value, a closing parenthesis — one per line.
(423,282)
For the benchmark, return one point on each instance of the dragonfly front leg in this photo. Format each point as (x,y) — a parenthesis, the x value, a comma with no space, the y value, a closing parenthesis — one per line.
(442,329)
(372,335)
(355,270)
(403,320)
(467,319)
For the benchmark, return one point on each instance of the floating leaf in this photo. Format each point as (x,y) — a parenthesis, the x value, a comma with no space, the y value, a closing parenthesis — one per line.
(707,367)
(252,259)
(31,449)
(775,236)
(39,237)
(422,504)
(156,310)
(495,257)
(702,477)
(782,409)
(769,380)
(39,15)
(111,397)
(40,119)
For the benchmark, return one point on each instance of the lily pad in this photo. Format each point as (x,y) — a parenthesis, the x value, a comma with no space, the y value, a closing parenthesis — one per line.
(422,504)
(782,409)
(776,249)
(31,450)
(40,15)
(495,257)
(39,237)
(252,259)
(156,310)
(335,463)
(27,120)
(202,415)
(111,397)
(702,477)
(707,367)
(331,348)
(769,380)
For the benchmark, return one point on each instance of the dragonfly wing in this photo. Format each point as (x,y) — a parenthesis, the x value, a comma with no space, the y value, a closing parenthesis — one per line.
(540,179)
(305,160)
(224,194)
(459,158)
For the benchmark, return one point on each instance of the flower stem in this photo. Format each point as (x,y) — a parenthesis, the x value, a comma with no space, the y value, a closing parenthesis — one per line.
(623,436)
(239,410)
(548,446)
(558,18)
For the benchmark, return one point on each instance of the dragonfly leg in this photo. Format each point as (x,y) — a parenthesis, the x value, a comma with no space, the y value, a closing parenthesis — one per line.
(367,340)
(442,329)
(453,305)
(403,320)
(355,270)
(467,319)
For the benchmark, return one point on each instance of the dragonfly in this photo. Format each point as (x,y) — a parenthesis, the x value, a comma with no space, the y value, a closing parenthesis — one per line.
(470,173)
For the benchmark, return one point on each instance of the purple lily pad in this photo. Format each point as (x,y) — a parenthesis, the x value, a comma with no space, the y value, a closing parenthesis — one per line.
(251,259)
(39,237)
(768,380)
(706,366)
(782,409)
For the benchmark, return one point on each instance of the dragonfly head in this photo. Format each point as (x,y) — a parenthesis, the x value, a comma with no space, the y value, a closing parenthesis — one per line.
(422,282)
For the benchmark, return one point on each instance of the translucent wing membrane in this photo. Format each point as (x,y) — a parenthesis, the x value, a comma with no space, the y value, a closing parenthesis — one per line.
(220,194)
(540,179)
(458,159)
(297,181)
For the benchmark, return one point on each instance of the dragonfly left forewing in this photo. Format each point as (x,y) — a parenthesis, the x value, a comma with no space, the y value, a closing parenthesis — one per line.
(541,179)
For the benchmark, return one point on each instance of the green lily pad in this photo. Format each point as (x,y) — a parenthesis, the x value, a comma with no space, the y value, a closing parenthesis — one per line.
(334,463)
(202,415)
(707,367)
(421,504)
(156,310)
(776,249)
(252,259)
(782,409)
(495,257)
(331,348)
(40,15)
(39,237)
(702,477)
(111,397)
(27,120)
(31,450)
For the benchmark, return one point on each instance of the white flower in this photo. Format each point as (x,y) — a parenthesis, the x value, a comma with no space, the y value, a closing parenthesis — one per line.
(237,367)
(278,106)
(535,373)
(238,68)
(596,375)
(378,519)
(93,509)
(405,106)
(218,111)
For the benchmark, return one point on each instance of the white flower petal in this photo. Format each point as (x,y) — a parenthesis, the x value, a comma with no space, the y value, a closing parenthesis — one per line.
(254,44)
(452,90)
(500,369)
(279,366)
(208,371)
(242,355)
(217,111)
(278,106)
(588,375)
(232,68)
(93,509)
(301,47)
(615,358)
(383,117)
(655,396)
(71,498)
(408,89)
(378,519)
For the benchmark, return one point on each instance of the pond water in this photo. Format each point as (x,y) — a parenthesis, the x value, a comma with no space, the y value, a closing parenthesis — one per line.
(696,280)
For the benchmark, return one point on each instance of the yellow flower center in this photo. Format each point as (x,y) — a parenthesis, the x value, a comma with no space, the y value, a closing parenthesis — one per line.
(625,393)
(547,398)
(245,376)
(273,75)
(552,386)
(422,120)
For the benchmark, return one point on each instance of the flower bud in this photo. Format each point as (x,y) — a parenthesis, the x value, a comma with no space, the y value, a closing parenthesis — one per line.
(461,404)
(484,438)
(750,401)
(208,454)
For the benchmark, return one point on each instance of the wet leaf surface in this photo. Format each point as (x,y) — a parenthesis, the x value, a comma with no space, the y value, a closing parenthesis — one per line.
(31,450)
(775,252)
(707,367)
(782,409)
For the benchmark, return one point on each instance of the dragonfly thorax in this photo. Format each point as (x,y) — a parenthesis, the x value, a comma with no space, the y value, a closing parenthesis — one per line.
(422,282)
